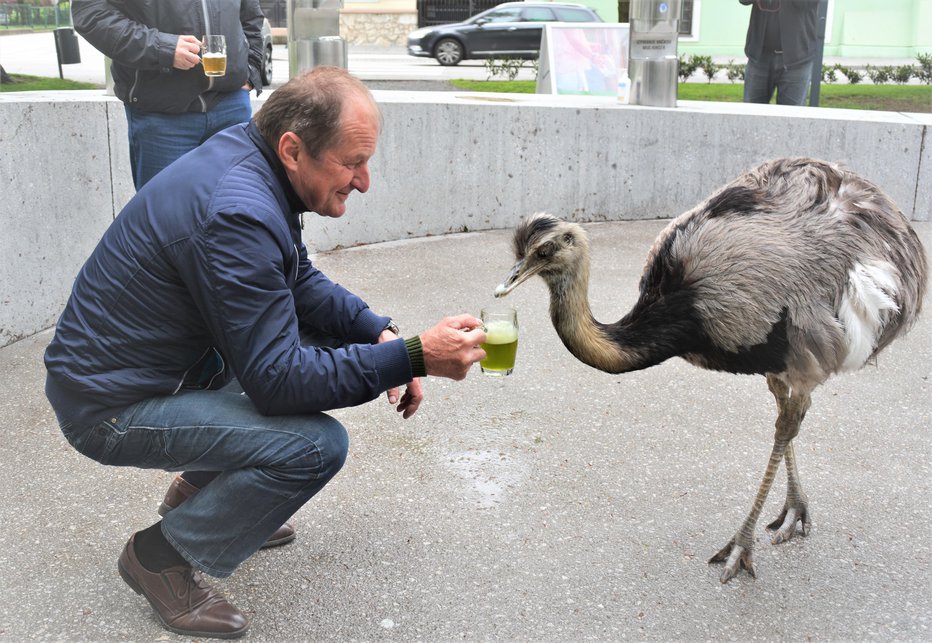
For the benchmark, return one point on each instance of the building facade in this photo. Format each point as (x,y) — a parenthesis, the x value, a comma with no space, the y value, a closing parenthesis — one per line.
(867,29)
(870,29)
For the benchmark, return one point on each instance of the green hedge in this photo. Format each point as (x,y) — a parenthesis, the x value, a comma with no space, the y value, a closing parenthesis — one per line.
(898,74)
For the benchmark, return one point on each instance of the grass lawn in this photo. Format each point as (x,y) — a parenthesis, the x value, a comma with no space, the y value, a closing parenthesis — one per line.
(893,98)
(39,83)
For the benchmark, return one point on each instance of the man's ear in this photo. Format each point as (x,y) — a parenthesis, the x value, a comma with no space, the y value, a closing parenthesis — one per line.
(289,149)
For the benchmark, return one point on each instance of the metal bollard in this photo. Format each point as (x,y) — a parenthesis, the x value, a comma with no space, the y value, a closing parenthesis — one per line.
(314,35)
(652,61)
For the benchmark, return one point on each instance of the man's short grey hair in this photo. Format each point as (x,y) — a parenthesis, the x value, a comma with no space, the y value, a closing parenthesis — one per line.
(311,106)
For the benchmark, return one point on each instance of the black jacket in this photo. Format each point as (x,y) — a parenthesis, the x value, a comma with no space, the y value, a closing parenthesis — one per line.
(140,36)
(799,22)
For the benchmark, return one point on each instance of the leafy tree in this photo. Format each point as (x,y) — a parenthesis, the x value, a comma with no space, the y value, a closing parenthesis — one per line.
(687,66)
(735,72)
(853,75)
(924,73)
(879,75)
(708,67)
(902,74)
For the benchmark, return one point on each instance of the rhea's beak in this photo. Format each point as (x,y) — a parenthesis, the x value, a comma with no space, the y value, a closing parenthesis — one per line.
(518,275)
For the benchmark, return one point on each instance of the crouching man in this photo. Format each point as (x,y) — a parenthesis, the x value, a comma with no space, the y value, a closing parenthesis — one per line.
(199,338)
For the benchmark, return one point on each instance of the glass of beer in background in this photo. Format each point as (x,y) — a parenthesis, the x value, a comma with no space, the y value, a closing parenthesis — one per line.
(501,344)
(214,55)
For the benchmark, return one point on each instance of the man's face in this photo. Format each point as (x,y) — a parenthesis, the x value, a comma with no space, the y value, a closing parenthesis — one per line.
(324,184)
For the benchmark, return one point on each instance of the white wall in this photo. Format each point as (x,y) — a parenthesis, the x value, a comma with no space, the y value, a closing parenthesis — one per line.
(447,162)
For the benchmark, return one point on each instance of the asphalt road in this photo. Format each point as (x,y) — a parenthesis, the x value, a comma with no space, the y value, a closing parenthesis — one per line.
(381,67)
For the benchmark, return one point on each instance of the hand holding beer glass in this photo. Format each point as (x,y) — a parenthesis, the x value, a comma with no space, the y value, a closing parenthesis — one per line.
(501,345)
(214,55)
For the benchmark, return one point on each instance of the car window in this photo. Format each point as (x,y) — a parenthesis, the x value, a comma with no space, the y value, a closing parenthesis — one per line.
(509,14)
(538,14)
(568,14)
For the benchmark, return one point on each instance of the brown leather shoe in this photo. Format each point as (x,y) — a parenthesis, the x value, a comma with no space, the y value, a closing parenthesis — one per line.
(180,490)
(182,599)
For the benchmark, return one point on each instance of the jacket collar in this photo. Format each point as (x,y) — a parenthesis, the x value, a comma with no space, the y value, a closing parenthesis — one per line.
(295,204)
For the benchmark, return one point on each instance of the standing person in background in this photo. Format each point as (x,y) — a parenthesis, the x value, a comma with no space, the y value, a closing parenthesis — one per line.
(782,42)
(171,106)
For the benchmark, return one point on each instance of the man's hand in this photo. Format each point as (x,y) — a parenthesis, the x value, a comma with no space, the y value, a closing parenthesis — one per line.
(413,395)
(187,52)
(450,349)
(452,346)
(411,400)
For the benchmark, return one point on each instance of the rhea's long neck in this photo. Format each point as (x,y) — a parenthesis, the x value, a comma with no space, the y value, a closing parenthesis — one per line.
(586,338)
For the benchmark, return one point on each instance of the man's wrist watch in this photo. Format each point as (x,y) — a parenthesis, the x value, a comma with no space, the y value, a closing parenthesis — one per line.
(392,326)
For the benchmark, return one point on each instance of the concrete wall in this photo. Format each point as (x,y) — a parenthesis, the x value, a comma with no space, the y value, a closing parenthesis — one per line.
(362,26)
(447,162)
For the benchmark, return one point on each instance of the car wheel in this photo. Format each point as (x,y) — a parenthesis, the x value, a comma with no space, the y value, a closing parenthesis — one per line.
(448,52)
(266,70)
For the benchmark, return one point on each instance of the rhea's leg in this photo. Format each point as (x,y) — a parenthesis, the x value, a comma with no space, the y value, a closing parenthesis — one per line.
(796,507)
(737,553)
(792,408)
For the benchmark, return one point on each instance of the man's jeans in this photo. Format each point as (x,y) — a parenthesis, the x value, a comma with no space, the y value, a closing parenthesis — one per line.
(762,77)
(156,140)
(271,466)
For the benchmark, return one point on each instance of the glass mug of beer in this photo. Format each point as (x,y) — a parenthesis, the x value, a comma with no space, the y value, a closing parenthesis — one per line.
(214,55)
(501,343)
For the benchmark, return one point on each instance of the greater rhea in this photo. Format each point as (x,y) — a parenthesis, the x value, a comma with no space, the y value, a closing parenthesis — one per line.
(796,270)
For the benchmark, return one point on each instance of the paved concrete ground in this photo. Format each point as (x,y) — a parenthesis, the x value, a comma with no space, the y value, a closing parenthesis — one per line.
(558,504)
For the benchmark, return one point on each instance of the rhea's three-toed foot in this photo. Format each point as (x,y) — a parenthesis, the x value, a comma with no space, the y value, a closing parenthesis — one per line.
(736,557)
(784,527)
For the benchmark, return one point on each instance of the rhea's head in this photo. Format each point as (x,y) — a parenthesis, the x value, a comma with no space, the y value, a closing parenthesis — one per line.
(544,245)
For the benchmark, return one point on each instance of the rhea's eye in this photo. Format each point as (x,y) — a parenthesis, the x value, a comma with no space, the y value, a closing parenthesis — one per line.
(546,251)
(568,239)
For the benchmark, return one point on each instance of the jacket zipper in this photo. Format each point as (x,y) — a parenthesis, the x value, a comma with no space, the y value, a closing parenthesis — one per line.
(132,90)
(210,79)
(200,97)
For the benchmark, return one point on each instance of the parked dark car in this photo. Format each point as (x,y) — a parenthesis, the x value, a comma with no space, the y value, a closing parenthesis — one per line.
(266,71)
(510,30)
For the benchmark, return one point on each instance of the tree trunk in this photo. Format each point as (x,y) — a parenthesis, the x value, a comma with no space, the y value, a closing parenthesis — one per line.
(5,78)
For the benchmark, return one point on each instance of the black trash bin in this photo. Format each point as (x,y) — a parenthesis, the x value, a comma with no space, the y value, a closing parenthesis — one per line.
(66,44)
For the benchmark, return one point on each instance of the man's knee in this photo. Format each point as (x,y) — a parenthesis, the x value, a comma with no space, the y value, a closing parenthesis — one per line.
(332,446)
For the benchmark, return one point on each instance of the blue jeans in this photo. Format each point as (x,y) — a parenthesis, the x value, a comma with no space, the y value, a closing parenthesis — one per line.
(156,140)
(761,78)
(270,466)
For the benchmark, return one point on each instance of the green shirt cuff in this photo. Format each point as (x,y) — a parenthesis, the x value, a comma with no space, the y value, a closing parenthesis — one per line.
(416,355)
